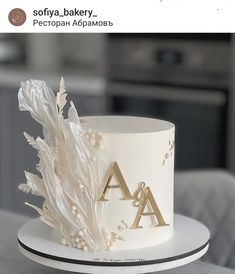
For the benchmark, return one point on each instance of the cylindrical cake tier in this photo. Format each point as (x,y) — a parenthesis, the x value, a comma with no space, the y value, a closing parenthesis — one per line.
(138,178)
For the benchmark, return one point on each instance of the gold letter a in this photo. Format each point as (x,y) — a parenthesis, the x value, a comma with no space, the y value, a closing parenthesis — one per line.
(148,198)
(115,171)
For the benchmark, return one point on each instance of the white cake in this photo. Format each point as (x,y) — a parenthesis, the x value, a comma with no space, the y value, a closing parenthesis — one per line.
(107,181)
(143,150)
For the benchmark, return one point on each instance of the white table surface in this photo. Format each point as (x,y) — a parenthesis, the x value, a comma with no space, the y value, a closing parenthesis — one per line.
(13,262)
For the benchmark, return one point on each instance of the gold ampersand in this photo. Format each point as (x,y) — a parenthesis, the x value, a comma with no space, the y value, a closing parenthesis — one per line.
(139,194)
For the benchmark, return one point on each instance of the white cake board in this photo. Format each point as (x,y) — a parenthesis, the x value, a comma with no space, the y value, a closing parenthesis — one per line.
(189,242)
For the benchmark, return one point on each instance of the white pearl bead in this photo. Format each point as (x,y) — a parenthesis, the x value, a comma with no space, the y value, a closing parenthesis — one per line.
(80,233)
(79,245)
(63,241)
(83,243)
(85,248)
(77,240)
(73,208)
(92,141)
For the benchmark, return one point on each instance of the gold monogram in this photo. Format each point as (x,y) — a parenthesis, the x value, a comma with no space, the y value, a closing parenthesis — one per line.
(115,171)
(148,198)
(141,197)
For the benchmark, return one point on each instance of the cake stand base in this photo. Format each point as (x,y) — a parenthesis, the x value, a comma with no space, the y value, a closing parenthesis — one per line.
(189,242)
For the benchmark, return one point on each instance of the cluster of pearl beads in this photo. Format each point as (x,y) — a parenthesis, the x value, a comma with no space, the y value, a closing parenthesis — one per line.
(75,211)
(76,241)
(95,139)
(81,187)
(109,239)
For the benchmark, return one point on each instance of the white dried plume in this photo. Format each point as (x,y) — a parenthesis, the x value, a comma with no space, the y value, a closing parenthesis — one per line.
(24,188)
(61,96)
(31,140)
(70,168)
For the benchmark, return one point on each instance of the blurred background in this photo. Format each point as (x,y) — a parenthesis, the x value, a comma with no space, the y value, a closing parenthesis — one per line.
(184,78)
(188,79)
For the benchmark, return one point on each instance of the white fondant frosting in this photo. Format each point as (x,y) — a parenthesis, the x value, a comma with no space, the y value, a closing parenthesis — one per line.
(139,146)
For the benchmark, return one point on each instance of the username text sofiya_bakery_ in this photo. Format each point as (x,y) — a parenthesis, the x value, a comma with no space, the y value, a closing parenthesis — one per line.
(65,17)
(46,12)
